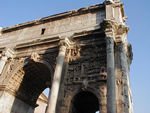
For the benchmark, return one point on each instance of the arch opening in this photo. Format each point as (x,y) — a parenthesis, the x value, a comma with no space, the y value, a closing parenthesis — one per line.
(42,101)
(28,83)
(36,78)
(84,102)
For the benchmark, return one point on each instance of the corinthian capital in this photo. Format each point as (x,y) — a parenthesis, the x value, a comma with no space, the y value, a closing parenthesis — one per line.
(9,53)
(108,26)
(35,56)
(121,29)
(121,32)
(65,41)
(114,29)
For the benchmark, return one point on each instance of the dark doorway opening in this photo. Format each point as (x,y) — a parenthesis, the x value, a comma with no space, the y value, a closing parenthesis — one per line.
(84,102)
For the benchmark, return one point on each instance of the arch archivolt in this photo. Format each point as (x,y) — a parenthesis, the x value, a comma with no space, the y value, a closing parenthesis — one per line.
(26,79)
(99,90)
(12,66)
(73,98)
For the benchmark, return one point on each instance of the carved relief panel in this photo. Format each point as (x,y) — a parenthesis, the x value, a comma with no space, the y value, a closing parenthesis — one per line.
(89,66)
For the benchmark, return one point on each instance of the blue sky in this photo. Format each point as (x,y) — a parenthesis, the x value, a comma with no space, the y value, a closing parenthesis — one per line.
(13,12)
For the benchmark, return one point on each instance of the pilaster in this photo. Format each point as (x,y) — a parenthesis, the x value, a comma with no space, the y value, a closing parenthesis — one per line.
(8,53)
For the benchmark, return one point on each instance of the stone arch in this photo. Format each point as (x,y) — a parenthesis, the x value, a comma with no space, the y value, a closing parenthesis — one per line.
(89,89)
(12,66)
(72,92)
(84,102)
(28,80)
(49,66)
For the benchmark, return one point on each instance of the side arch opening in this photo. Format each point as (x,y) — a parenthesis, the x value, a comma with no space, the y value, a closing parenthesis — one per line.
(42,101)
(34,82)
(84,102)
(27,84)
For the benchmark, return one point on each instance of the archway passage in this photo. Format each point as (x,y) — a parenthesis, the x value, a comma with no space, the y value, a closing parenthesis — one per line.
(42,101)
(35,80)
(29,82)
(84,102)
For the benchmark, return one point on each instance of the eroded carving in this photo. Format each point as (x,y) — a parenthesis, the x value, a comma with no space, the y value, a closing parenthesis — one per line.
(10,68)
(35,56)
(89,67)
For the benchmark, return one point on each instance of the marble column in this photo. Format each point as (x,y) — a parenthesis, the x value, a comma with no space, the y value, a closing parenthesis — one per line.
(125,75)
(111,80)
(56,80)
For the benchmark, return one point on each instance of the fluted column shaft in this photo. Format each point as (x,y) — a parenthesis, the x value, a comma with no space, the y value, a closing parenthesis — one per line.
(56,80)
(125,73)
(111,84)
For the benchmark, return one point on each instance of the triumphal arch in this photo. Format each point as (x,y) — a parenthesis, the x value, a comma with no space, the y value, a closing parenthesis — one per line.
(82,55)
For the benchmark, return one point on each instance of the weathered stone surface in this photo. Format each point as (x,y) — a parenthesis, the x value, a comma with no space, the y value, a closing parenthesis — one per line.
(10,104)
(42,104)
(92,65)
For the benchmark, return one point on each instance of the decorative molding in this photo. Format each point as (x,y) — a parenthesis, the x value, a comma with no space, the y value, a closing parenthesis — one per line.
(35,56)
(65,41)
(9,53)
(107,2)
(75,52)
(114,29)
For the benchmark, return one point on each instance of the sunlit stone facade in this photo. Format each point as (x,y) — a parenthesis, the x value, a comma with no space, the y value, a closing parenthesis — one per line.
(82,55)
